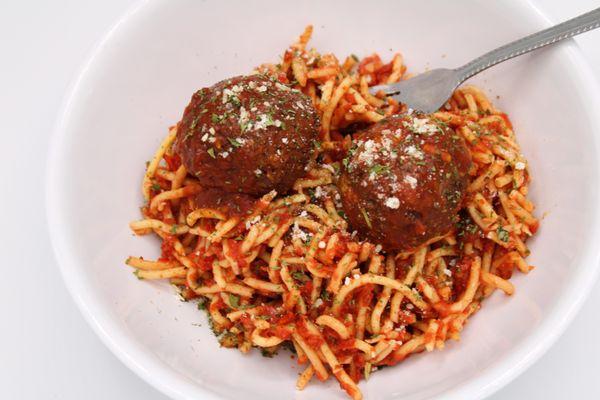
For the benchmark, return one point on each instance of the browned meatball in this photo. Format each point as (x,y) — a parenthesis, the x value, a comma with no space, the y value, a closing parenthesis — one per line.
(247,134)
(231,204)
(404,180)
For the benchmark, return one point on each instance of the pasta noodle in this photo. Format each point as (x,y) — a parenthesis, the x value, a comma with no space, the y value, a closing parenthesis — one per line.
(298,276)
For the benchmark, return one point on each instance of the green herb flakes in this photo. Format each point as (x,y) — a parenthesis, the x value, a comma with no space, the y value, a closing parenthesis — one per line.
(234,301)
(366,217)
(234,142)
(300,276)
(380,169)
(503,234)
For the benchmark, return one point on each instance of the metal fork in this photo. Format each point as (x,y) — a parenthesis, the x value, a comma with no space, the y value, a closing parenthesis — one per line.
(429,91)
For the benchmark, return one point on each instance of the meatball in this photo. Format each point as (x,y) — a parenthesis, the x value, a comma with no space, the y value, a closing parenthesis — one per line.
(404,180)
(248,134)
(230,204)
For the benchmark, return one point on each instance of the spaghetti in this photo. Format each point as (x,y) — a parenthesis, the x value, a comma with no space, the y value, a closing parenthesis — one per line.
(291,273)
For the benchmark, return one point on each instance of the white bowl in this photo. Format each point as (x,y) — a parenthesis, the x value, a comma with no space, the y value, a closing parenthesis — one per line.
(141,76)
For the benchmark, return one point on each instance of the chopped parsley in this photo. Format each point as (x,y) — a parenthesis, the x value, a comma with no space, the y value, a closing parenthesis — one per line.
(346,160)
(346,163)
(234,301)
(244,125)
(234,100)
(266,353)
(269,120)
(366,217)
(188,135)
(217,118)
(380,169)
(298,275)
(502,234)
(156,187)
(194,123)
(234,142)
(211,324)
(211,152)
(174,229)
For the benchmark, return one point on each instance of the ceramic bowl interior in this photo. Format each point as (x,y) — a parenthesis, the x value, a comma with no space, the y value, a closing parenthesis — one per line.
(137,84)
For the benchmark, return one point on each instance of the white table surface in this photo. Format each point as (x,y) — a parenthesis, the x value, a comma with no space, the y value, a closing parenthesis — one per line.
(47,351)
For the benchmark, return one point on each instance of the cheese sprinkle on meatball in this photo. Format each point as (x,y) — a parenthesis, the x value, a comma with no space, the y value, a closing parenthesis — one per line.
(248,134)
(404,180)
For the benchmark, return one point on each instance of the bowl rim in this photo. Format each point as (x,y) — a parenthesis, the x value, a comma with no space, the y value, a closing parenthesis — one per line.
(176,386)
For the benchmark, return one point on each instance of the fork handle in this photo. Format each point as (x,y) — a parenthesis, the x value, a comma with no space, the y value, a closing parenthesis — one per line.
(565,30)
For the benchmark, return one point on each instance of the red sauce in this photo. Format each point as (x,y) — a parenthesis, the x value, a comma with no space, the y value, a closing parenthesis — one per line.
(280,331)
(166,248)
(246,321)
(505,269)
(203,262)
(173,161)
(314,341)
(284,318)
(236,253)
(507,120)
(460,274)
(369,64)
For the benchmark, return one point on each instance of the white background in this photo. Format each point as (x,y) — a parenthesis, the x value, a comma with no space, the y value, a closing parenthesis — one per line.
(47,351)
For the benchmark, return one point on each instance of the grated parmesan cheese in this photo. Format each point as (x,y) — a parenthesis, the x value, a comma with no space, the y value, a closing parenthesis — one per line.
(370,150)
(393,203)
(282,87)
(421,125)
(298,233)
(414,152)
(319,192)
(411,180)
(328,168)
(253,222)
